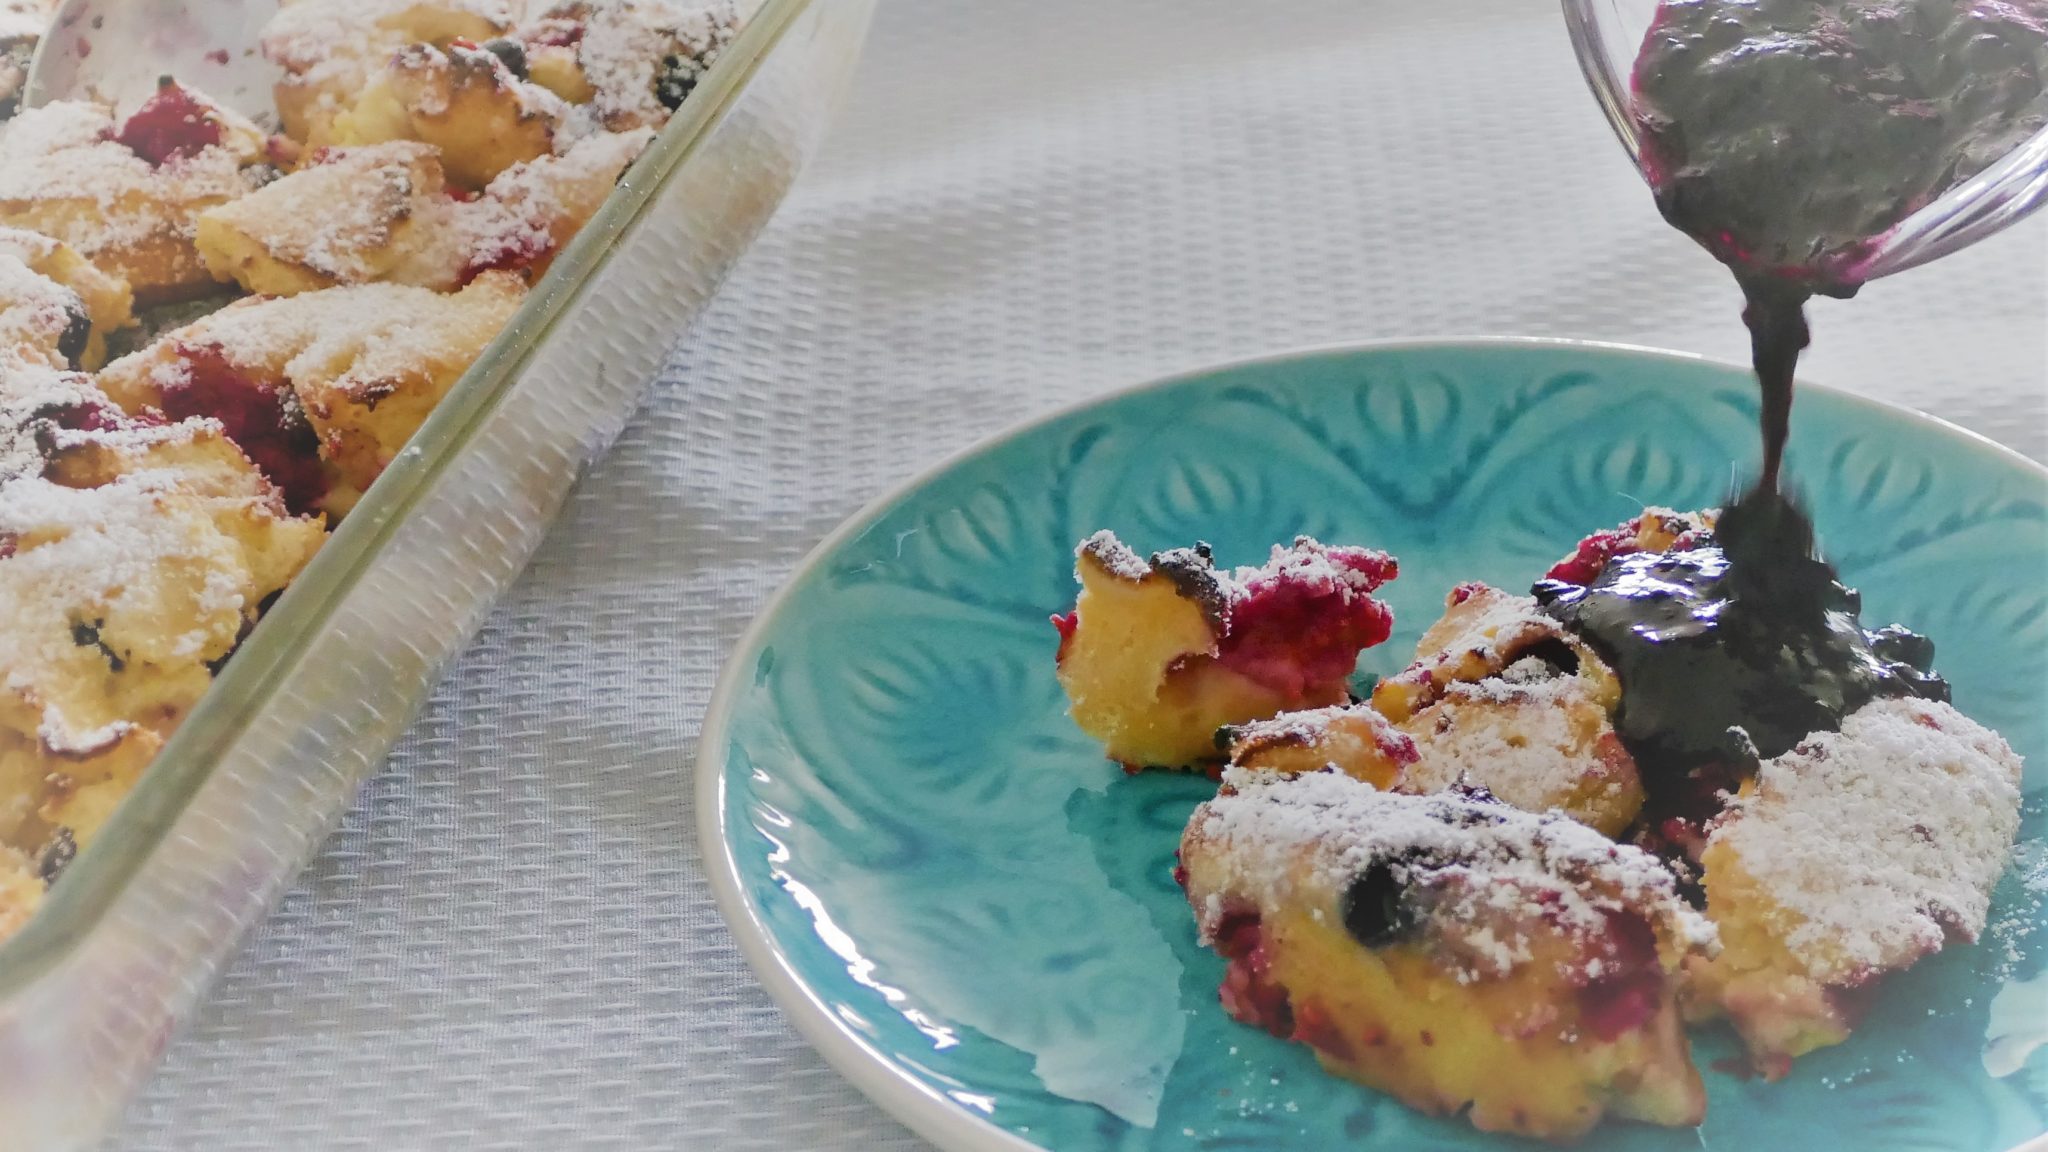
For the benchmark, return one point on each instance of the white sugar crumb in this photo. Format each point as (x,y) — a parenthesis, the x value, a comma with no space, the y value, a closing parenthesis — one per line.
(367,332)
(1310,726)
(1534,745)
(1502,619)
(1308,837)
(1528,671)
(2032,868)
(1484,624)
(333,217)
(31,248)
(27,391)
(1526,682)
(1114,555)
(1880,841)
(34,309)
(1307,563)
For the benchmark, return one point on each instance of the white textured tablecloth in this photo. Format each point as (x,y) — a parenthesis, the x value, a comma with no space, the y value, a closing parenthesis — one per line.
(510,944)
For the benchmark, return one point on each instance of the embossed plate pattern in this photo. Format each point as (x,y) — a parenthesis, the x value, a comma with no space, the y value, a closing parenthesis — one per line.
(971,913)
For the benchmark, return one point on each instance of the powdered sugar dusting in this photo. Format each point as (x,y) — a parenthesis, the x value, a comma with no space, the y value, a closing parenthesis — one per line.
(1504,619)
(1883,839)
(374,330)
(58,156)
(631,48)
(35,311)
(31,248)
(333,40)
(1534,743)
(109,553)
(29,393)
(1114,555)
(1319,727)
(1309,836)
(527,213)
(335,217)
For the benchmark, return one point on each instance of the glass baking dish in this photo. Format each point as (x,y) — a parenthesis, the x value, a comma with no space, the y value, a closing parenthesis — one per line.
(241,797)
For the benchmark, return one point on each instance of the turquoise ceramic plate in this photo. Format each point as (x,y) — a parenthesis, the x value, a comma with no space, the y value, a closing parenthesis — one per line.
(970,913)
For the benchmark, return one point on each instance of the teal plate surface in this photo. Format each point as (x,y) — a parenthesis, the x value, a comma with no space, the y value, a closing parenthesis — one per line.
(970,912)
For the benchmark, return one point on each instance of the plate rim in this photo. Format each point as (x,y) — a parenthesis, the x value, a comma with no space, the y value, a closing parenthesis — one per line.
(919,1107)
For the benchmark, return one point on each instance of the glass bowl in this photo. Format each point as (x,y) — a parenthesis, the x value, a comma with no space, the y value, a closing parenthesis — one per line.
(1607,34)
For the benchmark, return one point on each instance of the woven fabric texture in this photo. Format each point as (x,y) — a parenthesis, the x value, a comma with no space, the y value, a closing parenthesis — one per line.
(510,943)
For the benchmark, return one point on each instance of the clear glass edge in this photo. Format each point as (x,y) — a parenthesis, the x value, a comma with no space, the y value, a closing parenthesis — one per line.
(140,824)
(1995,199)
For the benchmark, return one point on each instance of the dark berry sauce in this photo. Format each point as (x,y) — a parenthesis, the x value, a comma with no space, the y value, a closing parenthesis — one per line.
(170,124)
(263,419)
(1789,137)
(1734,648)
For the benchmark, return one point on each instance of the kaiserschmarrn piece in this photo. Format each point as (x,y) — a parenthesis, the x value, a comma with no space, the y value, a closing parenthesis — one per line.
(631,62)
(382,212)
(528,214)
(1157,656)
(1352,738)
(41,318)
(332,51)
(322,389)
(134,555)
(1450,950)
(1656,530)
(465,100)
(1845,861)
(127,195)
(346,216)
(104,301)
(1503,697)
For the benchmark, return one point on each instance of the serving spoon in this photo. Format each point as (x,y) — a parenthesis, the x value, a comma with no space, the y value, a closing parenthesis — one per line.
(114,51)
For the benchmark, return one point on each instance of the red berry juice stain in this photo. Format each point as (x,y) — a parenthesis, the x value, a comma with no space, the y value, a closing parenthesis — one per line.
(169,125)
(261,417)
(1298,630)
